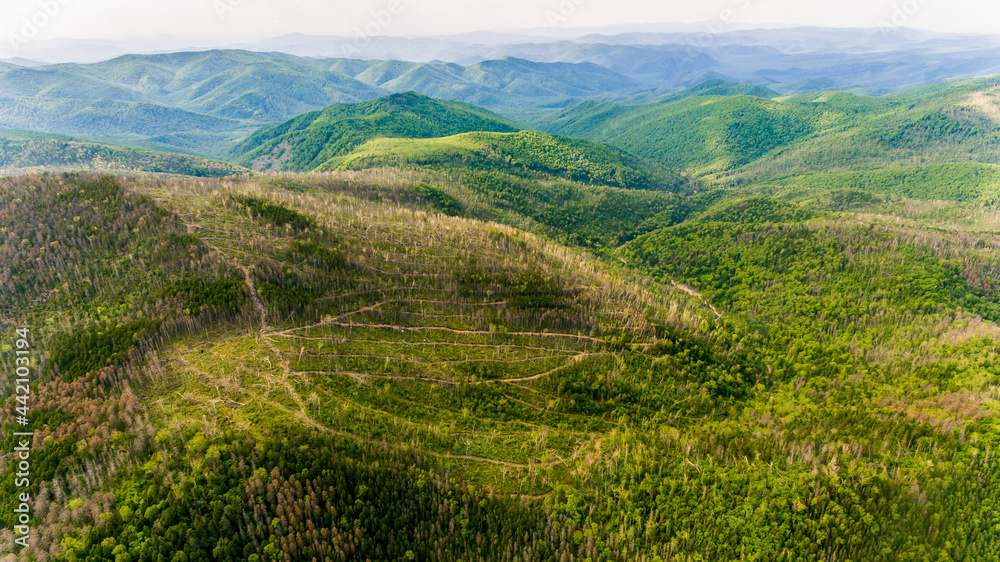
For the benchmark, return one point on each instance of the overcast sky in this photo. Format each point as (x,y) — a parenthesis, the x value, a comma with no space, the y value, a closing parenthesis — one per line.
(245,19)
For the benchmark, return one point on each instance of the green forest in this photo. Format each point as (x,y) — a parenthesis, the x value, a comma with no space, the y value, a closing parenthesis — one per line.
(22,152)
(419,331)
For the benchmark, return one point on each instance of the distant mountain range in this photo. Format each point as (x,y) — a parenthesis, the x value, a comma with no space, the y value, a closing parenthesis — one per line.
(204,103)
(729,130)
(879,59)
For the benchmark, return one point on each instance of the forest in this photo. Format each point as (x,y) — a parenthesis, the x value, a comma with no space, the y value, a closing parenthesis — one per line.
(496,344)
(26,152)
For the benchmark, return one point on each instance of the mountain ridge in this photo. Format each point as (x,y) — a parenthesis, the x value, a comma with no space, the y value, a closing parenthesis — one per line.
(303,143)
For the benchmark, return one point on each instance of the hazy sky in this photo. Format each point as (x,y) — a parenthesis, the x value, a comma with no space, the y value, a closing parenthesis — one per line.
(243,19)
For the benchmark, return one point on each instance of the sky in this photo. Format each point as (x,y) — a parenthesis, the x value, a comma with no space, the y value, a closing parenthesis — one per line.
(30,20)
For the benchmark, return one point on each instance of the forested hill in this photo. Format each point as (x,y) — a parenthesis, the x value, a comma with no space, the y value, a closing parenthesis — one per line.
(376,365)
(519,153)
(306,142)
(22,151)
(755,138)
(721,87)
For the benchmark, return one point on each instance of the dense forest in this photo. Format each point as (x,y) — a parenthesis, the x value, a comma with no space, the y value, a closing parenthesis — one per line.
(306,142)
(739,139)
(329,367)
(461,344)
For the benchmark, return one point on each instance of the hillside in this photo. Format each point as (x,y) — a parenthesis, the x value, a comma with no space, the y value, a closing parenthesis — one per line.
(523,151)
(570,189)
(21,152)
(234,364)
(224,84)
(700,134)
(114,120)
(573,191)
(951,123)
(720,87)
(747,138)
(958,182)
(792,60)
(308,141)
(500,316)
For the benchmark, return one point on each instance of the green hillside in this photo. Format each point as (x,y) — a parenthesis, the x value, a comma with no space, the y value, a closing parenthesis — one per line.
(523,151)
(248,91)
(105,118)
(745,138)
(701,134)
(978,183)
(20,152)
(572,190)
(308,141)
(227,84)
(720,87)
(55,83)
(212,93)
(500,316)
(956,124)
(227,366)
